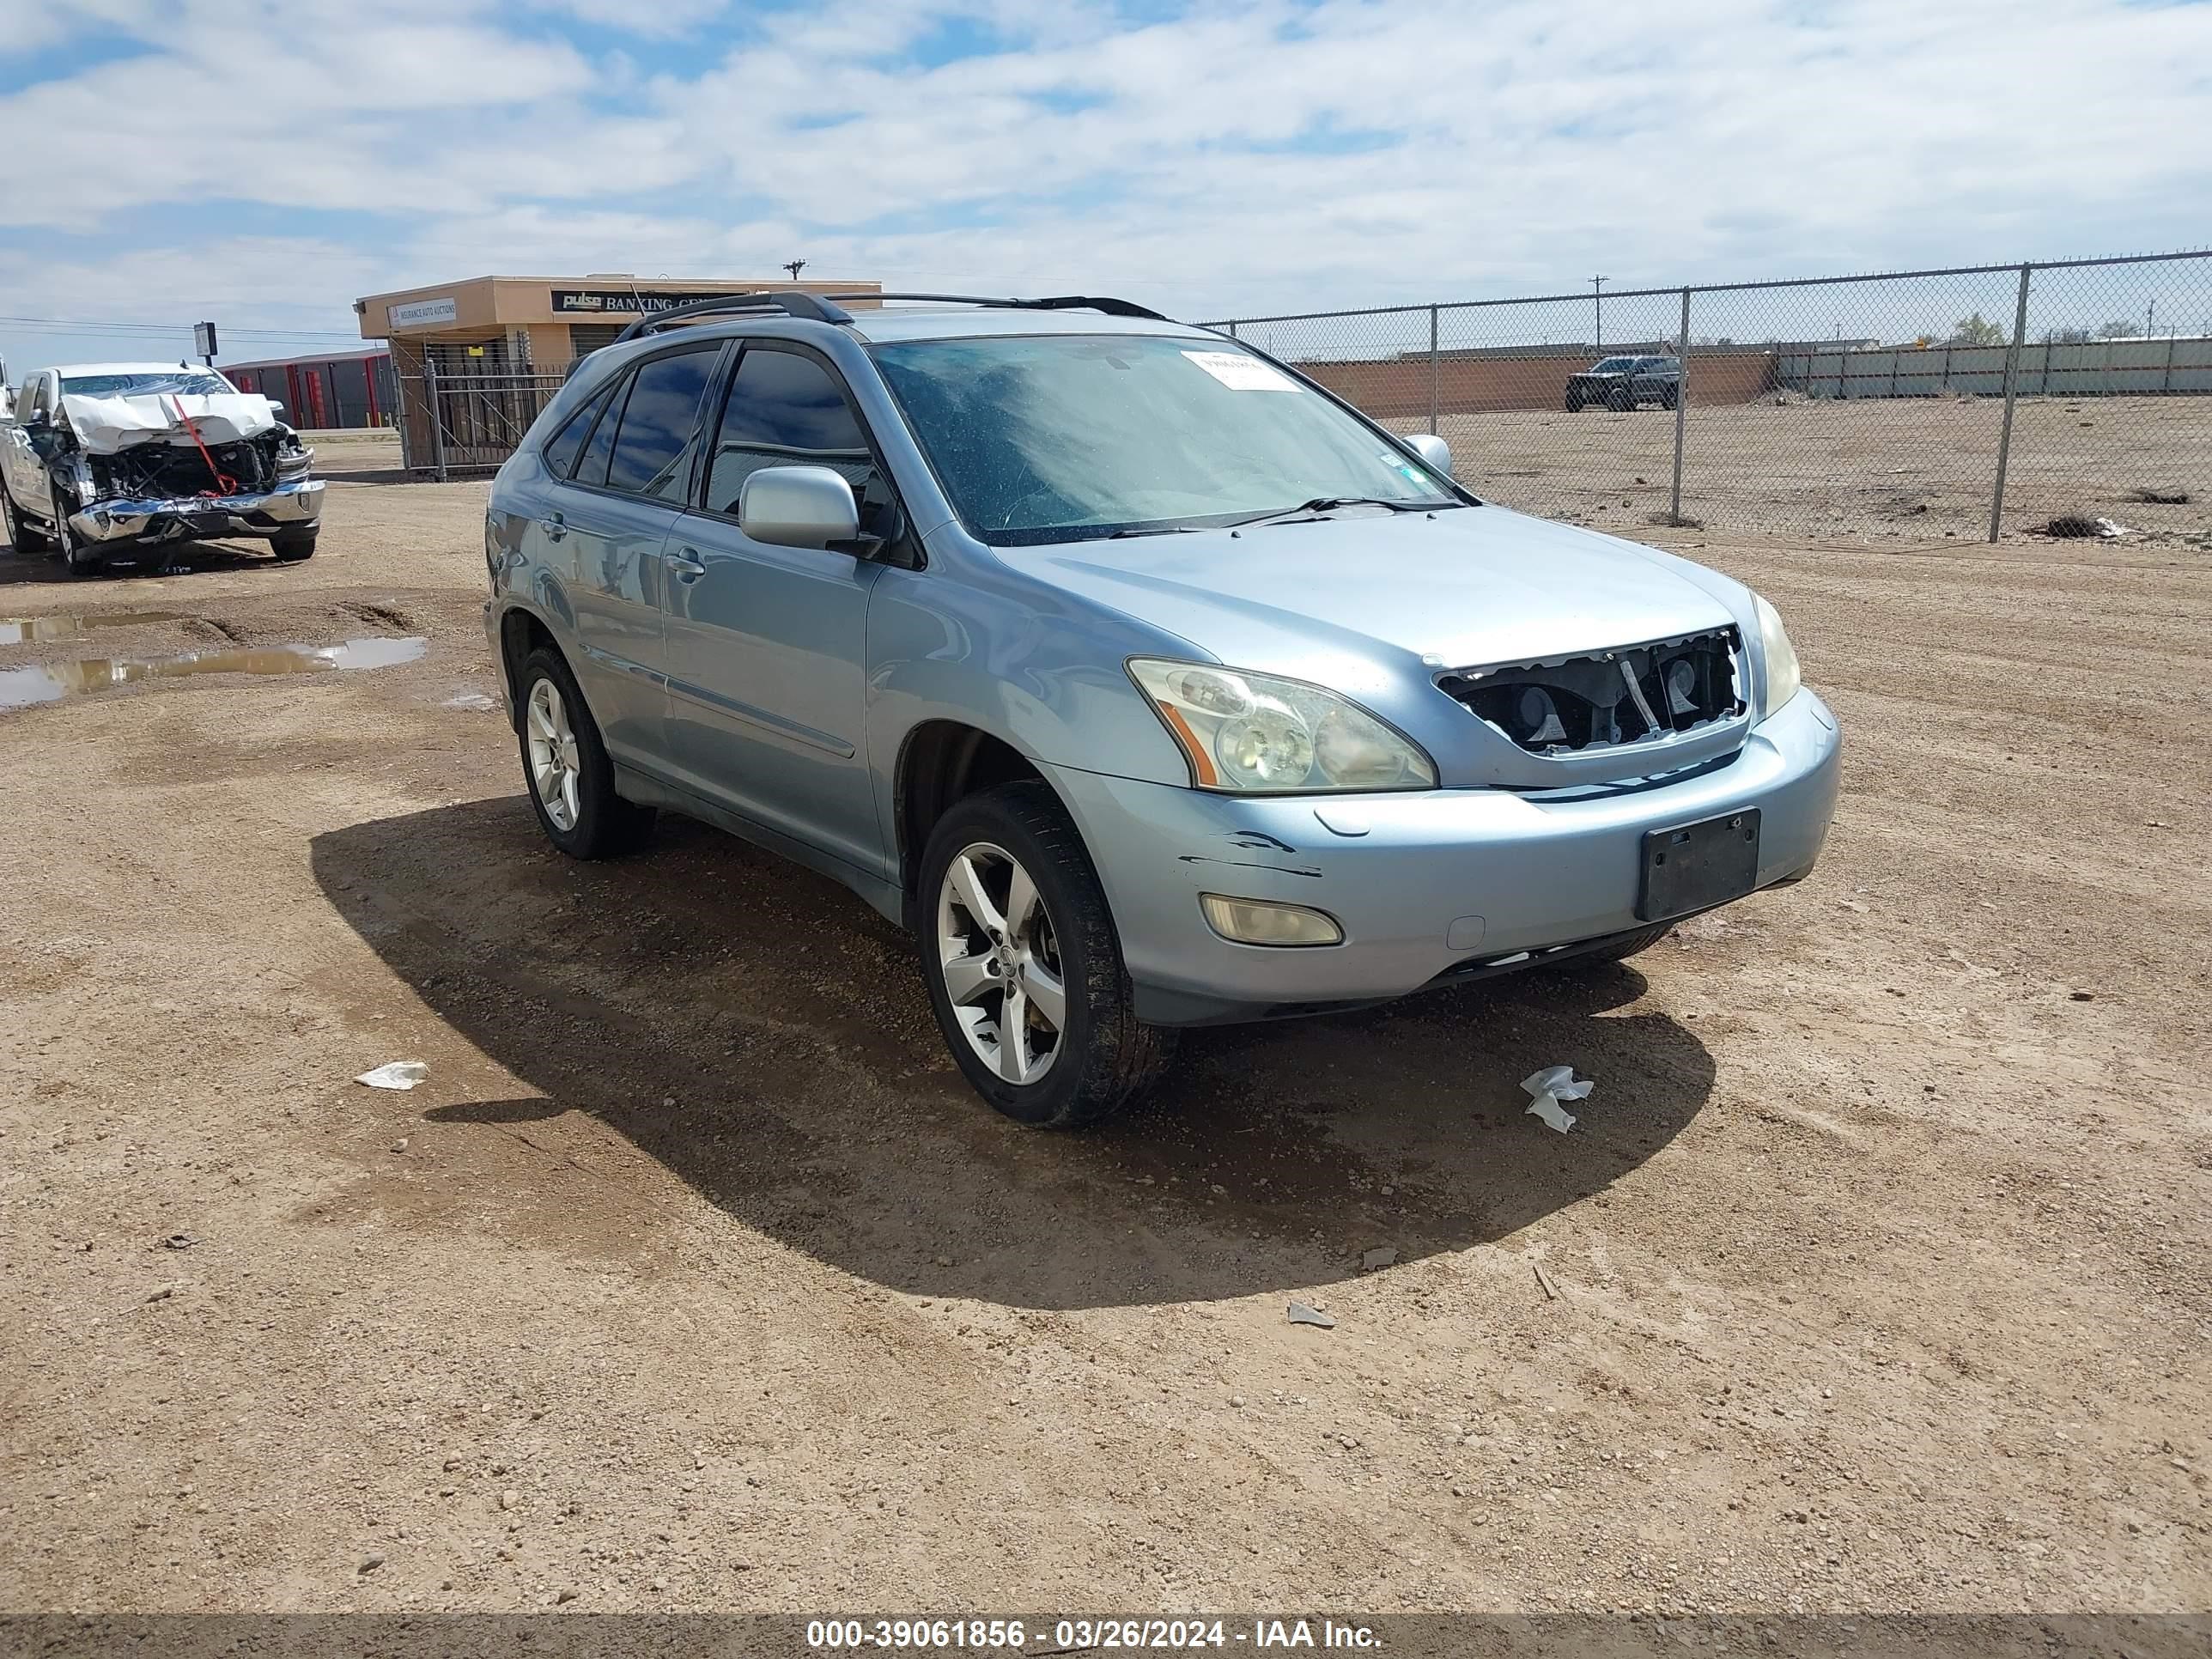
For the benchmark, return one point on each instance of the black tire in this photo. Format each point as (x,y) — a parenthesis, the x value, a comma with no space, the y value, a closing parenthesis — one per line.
(1670,396)
(23,540)
(1621,949)
(1620,400)
(290,546)
(1104,1054)
(1574,403)
(81,559)
(603,823)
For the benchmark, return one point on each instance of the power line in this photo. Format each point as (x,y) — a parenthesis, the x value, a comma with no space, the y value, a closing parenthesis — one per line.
(83,324)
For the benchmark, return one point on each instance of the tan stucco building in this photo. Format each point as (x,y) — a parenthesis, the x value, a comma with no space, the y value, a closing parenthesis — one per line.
(497,348)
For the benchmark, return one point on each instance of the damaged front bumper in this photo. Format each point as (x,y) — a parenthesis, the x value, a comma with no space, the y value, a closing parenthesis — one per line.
(1426,887)
(285,507)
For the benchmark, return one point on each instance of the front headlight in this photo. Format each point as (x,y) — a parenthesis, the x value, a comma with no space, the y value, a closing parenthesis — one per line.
(1782,675)
(1257,733)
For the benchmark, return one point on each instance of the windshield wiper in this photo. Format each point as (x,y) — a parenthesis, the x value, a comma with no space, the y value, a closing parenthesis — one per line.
(1161,530)
(1329,504)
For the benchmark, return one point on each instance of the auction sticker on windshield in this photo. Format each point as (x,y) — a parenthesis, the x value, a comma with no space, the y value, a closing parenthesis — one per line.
(1242,374)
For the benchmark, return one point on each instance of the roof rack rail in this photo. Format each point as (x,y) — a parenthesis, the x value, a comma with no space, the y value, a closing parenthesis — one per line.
(791,302)
(1111,308)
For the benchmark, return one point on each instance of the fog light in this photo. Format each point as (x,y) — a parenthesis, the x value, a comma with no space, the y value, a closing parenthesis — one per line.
(1257,922)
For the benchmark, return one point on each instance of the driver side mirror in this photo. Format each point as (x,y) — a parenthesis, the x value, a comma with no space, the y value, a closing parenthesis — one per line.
(1430,448)
(798,507)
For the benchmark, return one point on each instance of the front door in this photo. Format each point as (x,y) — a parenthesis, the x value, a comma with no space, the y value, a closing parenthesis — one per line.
(609,527)
(766,650)
(26,476)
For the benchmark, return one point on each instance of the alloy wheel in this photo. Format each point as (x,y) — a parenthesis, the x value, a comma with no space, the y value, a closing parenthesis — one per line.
(1002,962)
(555,767)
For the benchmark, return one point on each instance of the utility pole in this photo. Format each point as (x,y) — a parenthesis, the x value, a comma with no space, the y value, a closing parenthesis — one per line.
(2150,316)
(1597,291)
(794,266)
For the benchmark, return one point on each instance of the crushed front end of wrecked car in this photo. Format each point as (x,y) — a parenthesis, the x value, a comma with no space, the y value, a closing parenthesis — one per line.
(165,467)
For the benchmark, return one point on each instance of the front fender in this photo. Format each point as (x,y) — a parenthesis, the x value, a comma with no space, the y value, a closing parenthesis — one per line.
(1040,672)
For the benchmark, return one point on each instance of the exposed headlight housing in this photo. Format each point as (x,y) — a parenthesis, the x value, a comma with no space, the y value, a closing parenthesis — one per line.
(1247,733)
(1782,678)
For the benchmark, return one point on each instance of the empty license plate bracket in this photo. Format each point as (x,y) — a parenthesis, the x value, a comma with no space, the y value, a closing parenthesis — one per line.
(1695,866)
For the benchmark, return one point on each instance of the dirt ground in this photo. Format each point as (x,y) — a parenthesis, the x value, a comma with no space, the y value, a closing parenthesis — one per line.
(1879,1272)
(1877,469)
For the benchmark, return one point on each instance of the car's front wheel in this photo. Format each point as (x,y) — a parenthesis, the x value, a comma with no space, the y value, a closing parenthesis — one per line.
(1627,945)
(1620,400)
(82,558)
(571,781)
(290,546)
(1023,965)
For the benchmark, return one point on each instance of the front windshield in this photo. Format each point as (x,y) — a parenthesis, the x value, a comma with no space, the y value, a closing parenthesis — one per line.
(1613,366)
(1053,438)
(190,382)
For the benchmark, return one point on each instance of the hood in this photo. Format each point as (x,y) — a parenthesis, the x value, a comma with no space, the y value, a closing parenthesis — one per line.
(1469,587)
(105,425)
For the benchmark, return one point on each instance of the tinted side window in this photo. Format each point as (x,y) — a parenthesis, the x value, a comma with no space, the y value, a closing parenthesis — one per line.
(785,410)
(592,468)
(660,425)
(559,453)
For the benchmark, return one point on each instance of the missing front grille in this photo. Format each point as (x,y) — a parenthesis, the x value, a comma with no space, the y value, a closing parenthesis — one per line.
(1632,695)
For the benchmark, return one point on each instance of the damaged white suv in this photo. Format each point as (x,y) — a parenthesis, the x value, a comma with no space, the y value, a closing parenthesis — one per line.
(120,462)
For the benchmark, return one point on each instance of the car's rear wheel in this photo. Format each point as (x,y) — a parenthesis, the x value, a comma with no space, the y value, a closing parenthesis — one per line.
(571,781)
(1023,966)
(21,538)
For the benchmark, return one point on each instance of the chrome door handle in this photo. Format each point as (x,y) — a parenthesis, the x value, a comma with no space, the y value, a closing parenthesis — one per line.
(687,569)
(553,525)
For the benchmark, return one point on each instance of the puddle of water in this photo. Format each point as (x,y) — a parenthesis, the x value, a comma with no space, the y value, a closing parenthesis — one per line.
(27,630)
(21,687)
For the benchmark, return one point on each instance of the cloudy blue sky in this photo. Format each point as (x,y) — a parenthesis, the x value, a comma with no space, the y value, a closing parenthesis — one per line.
(262,162)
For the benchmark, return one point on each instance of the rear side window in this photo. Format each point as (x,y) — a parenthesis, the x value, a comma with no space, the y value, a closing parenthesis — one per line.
(591,468)
(786,409)
(559,453)
(660,425)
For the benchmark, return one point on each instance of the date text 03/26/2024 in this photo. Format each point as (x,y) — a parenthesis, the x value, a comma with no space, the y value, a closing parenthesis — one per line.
(1082,1635)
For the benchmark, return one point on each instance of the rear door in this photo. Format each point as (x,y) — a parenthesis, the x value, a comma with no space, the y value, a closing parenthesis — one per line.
(767,675)
(607,529)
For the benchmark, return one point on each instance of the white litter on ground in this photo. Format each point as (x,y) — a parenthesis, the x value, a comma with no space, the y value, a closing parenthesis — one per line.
(396,1074)
(1302,1314)
(1548,1087)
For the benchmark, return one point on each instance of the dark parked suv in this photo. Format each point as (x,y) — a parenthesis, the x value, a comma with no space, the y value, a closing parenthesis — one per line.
(1621,383)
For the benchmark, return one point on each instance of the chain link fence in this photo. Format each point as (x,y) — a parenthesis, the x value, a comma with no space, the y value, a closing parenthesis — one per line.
(2068,398)
(1963,403)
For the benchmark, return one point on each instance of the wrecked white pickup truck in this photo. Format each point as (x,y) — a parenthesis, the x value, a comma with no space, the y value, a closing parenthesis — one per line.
(120,462)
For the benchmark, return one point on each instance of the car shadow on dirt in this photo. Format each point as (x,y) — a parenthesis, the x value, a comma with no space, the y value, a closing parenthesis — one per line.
(764,1035)
(179,559)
